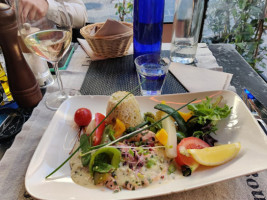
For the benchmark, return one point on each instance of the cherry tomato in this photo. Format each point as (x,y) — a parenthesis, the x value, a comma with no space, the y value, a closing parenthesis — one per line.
(188,143)
(82,116)
(99,131)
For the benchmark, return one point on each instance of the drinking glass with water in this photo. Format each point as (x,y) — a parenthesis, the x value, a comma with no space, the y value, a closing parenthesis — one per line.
(151,70)
(186,28)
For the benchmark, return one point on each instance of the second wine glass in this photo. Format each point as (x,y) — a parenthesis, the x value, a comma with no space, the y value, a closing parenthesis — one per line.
(50,40)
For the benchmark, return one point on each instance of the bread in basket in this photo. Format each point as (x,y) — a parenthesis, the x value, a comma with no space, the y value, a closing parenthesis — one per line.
(108,46)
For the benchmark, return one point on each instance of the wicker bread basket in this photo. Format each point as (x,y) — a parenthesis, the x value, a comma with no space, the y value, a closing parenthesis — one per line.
(108,46)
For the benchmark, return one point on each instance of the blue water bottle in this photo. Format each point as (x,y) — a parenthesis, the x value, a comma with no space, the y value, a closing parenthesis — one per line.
(148,26)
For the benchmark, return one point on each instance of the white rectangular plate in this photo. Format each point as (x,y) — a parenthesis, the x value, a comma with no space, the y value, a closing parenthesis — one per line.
(57,142)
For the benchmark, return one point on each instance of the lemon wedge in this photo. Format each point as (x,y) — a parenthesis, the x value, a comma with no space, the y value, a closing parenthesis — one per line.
(217,155)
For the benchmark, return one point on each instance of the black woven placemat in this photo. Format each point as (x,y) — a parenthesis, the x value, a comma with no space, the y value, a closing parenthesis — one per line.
(105,77)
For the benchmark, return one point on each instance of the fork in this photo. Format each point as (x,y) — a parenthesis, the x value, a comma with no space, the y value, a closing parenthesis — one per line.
(254,111)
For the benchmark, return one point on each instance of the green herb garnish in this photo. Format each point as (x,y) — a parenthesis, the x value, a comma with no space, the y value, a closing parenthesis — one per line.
(131,152)
(171,168)
(150,163)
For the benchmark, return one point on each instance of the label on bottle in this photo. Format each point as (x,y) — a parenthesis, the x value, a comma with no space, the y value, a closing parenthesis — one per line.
(5,96)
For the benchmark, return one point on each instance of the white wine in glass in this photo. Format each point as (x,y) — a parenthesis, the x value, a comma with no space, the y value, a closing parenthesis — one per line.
(49,44)
(50,41)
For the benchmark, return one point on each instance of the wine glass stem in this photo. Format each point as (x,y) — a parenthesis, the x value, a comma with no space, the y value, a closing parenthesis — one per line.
(59,81)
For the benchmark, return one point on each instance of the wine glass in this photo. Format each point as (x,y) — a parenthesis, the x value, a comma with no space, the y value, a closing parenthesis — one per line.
(49,40)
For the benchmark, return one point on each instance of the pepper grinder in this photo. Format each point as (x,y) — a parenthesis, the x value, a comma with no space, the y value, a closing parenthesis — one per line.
(23,85)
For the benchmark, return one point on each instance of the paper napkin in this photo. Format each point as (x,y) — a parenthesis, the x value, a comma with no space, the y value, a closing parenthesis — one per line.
(111,27)
(90,52)
(196,79)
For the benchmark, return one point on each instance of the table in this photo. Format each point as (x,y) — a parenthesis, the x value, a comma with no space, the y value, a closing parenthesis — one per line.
(232,62)
(244,75)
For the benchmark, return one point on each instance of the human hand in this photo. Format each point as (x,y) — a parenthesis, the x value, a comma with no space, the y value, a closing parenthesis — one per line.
(33,9)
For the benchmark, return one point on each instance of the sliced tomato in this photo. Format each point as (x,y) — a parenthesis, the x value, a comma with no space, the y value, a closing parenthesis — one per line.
(99,131)
(183,159)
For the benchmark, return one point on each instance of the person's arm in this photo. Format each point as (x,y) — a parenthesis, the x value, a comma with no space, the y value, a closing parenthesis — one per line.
(75,8)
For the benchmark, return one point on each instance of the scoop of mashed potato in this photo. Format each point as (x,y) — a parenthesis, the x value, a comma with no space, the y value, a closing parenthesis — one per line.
(127,111)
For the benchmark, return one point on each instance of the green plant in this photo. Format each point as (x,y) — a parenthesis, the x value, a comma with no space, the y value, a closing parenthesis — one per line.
(241,22)
(123,8)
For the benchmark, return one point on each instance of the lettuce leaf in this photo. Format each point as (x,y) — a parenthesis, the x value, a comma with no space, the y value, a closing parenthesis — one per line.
(207,111)
(206,115)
